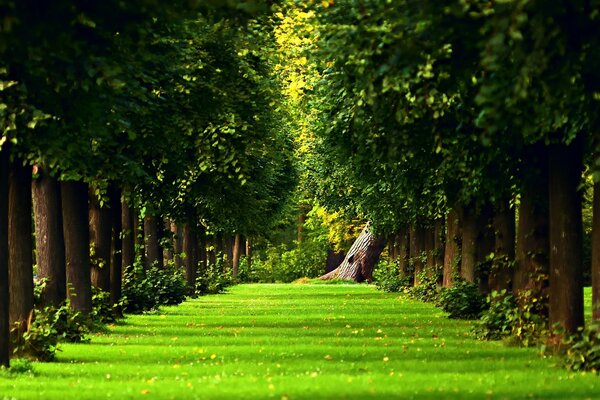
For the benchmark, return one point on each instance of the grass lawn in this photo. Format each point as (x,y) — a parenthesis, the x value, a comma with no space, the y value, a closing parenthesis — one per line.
(297,341)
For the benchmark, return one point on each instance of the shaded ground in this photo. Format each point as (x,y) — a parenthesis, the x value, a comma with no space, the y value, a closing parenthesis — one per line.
(297,341)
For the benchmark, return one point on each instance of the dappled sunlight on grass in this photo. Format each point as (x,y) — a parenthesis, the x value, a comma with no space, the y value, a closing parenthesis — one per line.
(297,341)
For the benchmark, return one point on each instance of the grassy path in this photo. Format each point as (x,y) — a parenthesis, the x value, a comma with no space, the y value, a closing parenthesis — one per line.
(297,341)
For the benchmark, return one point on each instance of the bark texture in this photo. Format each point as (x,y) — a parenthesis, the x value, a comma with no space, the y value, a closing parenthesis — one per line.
(237,249)
(4,295)
(128,240)
(361,259)
(504,247)
(100,224)
(402,250)
(151,236)
(49,242)
(77,241)
(20,243)
(470,233)
(452,248)
(566,237)
(596,255)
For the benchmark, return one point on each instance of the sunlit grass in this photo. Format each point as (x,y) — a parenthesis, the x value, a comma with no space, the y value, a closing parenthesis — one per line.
(297,341)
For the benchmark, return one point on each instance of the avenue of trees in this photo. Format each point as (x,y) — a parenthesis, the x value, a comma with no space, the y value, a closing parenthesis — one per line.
(125,125)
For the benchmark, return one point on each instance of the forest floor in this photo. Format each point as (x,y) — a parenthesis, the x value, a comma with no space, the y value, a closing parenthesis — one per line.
(292,342)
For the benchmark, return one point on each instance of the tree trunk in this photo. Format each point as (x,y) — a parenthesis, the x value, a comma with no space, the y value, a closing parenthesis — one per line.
(202,253)
(470,234)
(403,251)
(178,243)
(452,249)
(219,249)
(391,247)
(168,255)
(438,242)
(249,254)
(49,242)
(485,246)
(116,263)
(429,247)
(417,245)
(100,235)
(191,261)
(361,259)
(151,245)
(4,286)
(77,242)
(504,246)
(212,253)
(532,251)
(334,259)
(128,239)
(596,255)
(566,236)
(20,244)
(138,236)
(237,244)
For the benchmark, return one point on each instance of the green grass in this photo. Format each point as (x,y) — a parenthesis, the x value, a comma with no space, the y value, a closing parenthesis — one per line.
(297,341)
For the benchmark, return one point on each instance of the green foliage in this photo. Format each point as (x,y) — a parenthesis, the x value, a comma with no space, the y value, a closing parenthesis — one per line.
(18,366)
(146,290)
(427,289)
(215,278)
(495,322)
(387,277)
(462,300)
(583,349)
(102,311)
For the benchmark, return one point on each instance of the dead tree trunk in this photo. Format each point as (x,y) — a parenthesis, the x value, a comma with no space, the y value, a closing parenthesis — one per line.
(361,259)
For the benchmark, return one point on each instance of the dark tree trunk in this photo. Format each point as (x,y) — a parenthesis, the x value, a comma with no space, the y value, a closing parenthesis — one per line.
(77,242)
(361,259)
(596,255)
(20,244)
(116,263)
(237,245)
(485,246)
(417,246)
(566,241)
(532,250)
(178,243)
(438,242)
(429,247)
(128,239)
(151,245)
(249,253)
(100,236)
(4,295)
(220,249)
(391,247)
(212,253)
(470,234)
(138,236)
(168,254)
(403,247)
(202,253)
(452,248)
(190,242)
(49,242)
(504,246)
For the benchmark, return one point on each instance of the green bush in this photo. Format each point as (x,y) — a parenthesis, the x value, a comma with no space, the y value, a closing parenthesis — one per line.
(462,300)
(102,311)
(583,349)
(145,290)
(214,279)
(387,277)
(426,290)
(18,366)
(495,322)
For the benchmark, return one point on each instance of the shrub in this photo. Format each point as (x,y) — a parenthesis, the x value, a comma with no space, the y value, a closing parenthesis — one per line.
(426,290)
(495,322)
(102,311)
(18,366)
(583,349)
(145,290)
(462,300)
(388,278)
(214,279)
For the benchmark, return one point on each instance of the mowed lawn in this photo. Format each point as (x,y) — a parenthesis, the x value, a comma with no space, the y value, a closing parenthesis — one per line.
(297,342)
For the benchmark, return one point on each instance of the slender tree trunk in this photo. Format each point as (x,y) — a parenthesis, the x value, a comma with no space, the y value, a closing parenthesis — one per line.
(417,245)
(566,241)
(4,286)
(138,236)
(429,247)
(361,259)
(532,251)
(485,245)
(504,246)
(403,247)
(178,243)
(202,253)
(228,242)
(249,253)
(596,255)
(116,263)
(100,236)
(452,249)
(128,239)
(77,242)
(438,242)
(151,245)
(191,261)
(220,249)
(301,221)
(49,242)
(20,243)
(237,244)
(470,234)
